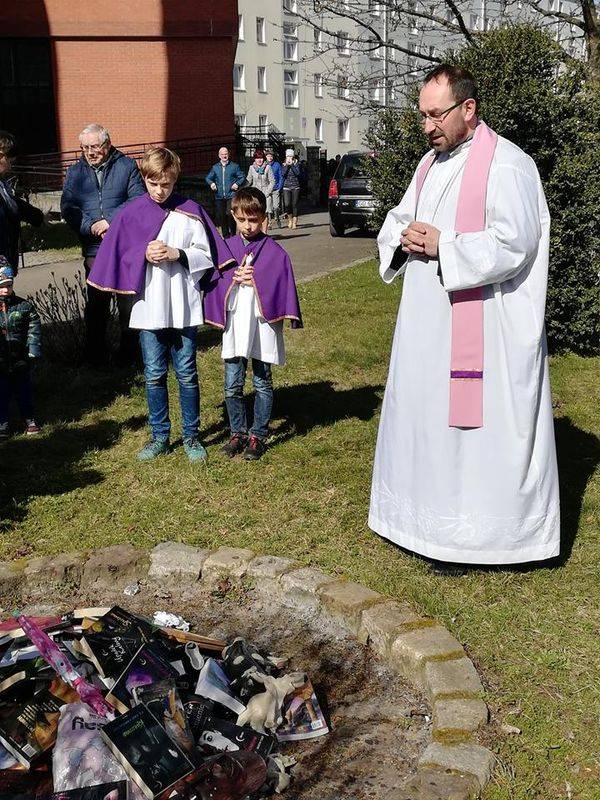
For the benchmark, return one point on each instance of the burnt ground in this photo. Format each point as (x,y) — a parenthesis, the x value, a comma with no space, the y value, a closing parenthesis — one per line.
(380,725)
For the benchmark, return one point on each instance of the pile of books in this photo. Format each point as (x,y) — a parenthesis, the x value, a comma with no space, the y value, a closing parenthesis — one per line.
(171,724)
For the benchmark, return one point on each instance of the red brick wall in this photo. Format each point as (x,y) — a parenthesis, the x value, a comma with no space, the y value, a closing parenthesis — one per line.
(148,70)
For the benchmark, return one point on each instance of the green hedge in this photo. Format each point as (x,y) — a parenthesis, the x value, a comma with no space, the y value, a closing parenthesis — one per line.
(539,99)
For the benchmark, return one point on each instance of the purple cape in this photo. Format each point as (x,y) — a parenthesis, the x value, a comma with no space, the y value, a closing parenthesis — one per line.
(120,265)
(273,282)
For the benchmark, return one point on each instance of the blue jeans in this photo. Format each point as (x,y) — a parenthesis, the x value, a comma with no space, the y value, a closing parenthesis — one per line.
(235,377)
(156,347)
(19,384)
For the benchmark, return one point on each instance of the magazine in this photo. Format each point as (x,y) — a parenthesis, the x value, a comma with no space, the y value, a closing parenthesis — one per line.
(302,715)
(214,684)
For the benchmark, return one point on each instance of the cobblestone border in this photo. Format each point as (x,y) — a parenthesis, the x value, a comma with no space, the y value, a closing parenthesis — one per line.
(454,765)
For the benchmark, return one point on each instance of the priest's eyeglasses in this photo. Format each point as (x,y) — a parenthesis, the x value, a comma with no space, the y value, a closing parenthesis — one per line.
(438,118)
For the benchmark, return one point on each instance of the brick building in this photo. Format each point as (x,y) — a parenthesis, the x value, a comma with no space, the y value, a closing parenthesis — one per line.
(149,70)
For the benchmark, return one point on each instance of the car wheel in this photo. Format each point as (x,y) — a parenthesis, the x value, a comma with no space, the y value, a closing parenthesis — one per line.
(336,228)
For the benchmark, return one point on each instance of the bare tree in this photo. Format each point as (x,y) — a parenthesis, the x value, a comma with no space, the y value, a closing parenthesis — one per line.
(377,49)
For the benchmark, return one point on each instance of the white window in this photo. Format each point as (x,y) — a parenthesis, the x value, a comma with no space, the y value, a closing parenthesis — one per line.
(239,78)
(392,50)
(343,43)
(432,50)
(318,84)
(290,97)
(291,6)
(318,36)
(411,63)
(412,22)
(263,123)
(261,74)
(290,41)
(261,30)
(376,53)
(241,27)
(343,92)
(240,121)
(290,89)
(375,7)
(474,22)
(343,130)
(376,90)
(318,129)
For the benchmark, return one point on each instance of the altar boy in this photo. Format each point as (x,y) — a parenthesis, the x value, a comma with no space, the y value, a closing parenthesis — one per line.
(249,302)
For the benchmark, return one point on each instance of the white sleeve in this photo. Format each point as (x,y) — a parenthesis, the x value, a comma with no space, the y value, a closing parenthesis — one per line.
(391,231)
(508,243)
(198,252)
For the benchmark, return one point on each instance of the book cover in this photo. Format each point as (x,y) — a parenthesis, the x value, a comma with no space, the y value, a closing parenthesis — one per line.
(149,665)
(214,684)
(148,754)
(25,785)
(221,734)
(103,791)
(163,700)
(28,730)
(111,641)
(302,716)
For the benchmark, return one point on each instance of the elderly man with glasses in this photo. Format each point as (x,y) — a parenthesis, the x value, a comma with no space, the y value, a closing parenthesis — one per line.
(465,466)
(95,188)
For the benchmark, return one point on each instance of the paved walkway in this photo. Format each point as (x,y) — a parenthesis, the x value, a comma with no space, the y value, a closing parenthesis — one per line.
(313,251)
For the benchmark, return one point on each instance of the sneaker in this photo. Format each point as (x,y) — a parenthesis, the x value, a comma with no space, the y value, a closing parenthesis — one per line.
(154,448)
(31,427)
(235,445)
(255,449)
(194,450)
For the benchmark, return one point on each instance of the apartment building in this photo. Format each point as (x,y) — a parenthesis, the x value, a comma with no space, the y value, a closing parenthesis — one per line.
(286,74)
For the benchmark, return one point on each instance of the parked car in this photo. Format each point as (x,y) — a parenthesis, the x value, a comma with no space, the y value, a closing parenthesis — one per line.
(350,197)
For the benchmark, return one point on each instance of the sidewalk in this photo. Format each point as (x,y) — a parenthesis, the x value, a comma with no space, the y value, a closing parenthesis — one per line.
(313,251)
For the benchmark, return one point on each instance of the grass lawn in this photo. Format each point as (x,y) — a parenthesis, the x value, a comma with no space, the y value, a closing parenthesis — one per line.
(533,633)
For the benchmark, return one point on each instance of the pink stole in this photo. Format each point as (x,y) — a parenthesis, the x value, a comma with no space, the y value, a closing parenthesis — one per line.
(466,362)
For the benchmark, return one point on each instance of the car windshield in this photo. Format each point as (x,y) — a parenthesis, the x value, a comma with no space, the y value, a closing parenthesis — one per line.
(352,167)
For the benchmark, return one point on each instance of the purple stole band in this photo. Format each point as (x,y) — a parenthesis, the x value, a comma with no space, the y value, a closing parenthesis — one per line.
(466,361)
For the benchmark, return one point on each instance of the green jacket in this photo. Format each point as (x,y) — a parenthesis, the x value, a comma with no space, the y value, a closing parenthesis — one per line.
(20,333)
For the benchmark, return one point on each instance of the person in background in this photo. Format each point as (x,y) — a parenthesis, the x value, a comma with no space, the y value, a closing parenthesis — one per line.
(13,209)
(291,187)
(95,189)
(20,347)
(260,176)
(274,200)
(224,179)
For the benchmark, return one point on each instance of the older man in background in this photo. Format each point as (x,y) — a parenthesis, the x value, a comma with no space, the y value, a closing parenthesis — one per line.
(95,188)
(224,179)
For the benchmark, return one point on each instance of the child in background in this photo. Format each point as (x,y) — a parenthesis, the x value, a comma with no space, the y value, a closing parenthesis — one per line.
(249,302)
(20,346)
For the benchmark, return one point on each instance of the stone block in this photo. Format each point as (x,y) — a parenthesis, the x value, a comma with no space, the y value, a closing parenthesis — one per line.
(115,567)
(456,678)
(381,622)
(472,759)
(459,715)
(11,577)
(171,561)
(64,570)
(226,561)
(410,651)
(434,784)
(266,571)
(300,586)
(345,602)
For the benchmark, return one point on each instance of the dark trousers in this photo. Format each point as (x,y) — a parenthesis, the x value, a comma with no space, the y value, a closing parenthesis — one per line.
(97,315)
(223,217)
(19,384)
(290,201)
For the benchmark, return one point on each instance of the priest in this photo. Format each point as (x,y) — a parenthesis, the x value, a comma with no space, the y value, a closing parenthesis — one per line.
(465,464)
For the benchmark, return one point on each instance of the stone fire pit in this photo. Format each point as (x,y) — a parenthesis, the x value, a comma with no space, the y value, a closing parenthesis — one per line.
(402,696)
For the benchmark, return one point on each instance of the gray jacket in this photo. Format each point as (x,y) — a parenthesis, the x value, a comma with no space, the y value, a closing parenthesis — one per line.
(264,182)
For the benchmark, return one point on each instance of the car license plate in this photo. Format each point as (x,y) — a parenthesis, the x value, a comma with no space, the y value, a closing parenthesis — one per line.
(364,204)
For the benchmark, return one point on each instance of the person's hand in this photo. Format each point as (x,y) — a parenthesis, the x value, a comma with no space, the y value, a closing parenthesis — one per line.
(158,251)
(235,187)
(99,227)
(421,239)
(213,186)
(244,274)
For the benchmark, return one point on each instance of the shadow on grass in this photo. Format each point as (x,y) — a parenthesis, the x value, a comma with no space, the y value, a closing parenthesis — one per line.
(307,406)
(50,464)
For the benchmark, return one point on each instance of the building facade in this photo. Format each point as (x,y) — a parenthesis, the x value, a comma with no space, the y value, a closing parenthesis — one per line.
(149,70)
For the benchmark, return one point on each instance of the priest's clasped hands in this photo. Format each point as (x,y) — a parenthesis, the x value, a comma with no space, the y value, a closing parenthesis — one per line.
(158,251)
(421,239)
